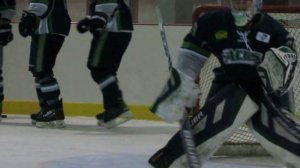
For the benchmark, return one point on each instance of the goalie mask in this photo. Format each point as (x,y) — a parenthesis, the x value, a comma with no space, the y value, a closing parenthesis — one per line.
(244,10)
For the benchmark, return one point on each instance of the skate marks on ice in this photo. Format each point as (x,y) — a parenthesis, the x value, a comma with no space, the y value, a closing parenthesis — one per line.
(110,160)
(101,161)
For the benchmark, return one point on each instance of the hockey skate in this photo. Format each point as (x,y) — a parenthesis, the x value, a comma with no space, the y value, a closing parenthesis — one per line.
(52,118)
(34,116)
(113,117)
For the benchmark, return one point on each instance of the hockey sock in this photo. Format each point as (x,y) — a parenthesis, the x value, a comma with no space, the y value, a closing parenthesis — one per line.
(112,95)
(50,91)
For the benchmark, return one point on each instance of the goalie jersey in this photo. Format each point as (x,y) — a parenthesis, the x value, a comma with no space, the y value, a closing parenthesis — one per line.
(238,50)
(53,16)
(7,9)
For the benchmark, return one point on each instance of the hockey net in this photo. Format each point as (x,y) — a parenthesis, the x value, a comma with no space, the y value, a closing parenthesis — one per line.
(242,142)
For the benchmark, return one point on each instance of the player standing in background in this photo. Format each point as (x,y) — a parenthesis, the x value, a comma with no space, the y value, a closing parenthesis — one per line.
(110,23)
(48,23)
(7,12)
(253,85)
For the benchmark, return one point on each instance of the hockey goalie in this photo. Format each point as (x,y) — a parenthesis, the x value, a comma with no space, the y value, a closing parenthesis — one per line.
(252,85)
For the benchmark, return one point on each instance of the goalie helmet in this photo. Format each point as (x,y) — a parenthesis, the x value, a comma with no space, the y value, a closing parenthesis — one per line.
(244,10)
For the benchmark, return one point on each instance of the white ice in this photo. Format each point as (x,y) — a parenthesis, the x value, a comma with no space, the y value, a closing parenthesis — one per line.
(82,144)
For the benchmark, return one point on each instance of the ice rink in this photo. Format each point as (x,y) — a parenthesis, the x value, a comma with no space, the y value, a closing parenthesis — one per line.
(82,144)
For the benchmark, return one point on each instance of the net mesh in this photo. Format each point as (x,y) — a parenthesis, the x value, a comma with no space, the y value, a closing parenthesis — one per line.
(243,142)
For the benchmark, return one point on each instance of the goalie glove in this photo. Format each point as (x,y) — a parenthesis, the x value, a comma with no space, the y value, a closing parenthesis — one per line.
(179,94)
(277,70)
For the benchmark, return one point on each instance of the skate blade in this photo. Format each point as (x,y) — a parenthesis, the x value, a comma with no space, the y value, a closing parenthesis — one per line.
(33,122)
(116,122)
(51,124)
(2,116)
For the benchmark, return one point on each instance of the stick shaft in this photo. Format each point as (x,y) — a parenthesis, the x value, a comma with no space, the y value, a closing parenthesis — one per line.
(186,130)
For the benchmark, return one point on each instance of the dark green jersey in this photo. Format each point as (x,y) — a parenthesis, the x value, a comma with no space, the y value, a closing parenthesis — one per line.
(7,9)
(238,50)
(118,14)
(53,14)
(216,31)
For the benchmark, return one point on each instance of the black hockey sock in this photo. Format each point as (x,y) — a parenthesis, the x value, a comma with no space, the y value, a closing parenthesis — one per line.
(42,101)
(49,92)
(112,96)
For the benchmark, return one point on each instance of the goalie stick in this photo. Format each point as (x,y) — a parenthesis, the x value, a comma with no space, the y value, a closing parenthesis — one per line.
(185,132)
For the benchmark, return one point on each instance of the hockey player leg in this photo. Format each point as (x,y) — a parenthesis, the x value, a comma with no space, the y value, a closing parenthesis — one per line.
(51,116)
(44,49)
(277,133)
(104,60)
(42,102)
(221,115)
(116,111)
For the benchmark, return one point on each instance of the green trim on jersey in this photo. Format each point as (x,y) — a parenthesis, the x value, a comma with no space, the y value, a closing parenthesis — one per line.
(118,20)
(56,19)
(99,49)
(50,23)
(46,2)
(40,52)
(195,48)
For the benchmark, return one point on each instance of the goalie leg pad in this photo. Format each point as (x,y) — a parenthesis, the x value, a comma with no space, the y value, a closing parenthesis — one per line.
(277,133)
(218,119)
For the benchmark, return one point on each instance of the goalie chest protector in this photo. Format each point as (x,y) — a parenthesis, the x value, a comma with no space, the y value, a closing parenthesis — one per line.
(217,33)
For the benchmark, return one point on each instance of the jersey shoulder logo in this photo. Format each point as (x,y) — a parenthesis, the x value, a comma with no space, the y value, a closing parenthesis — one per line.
(263,37)
(221,35)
